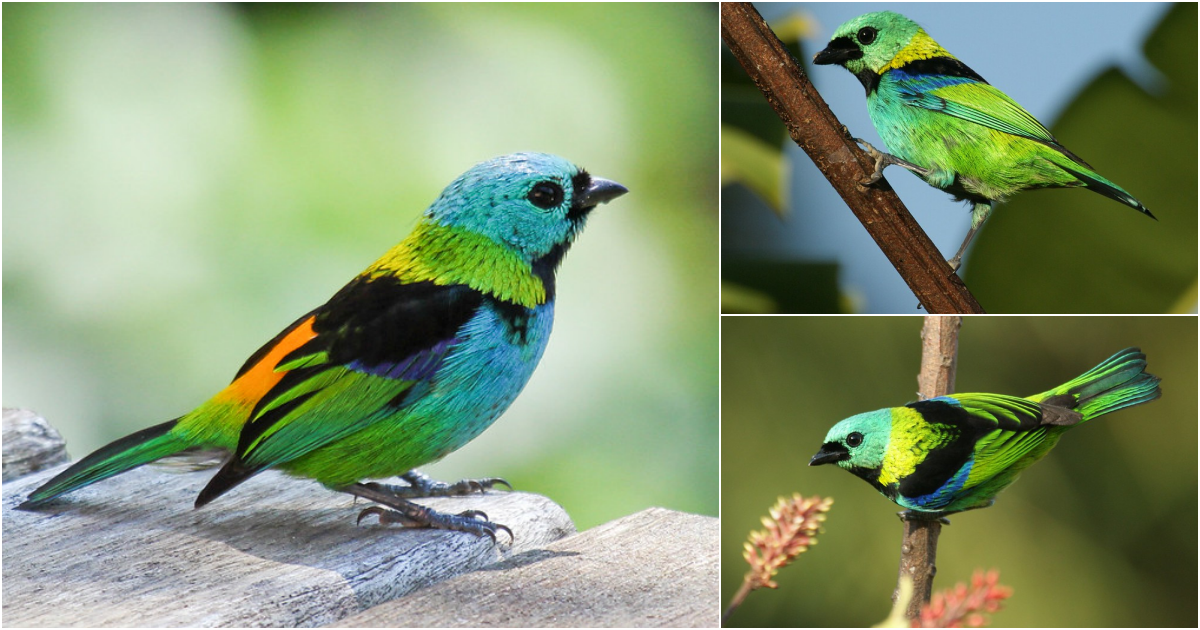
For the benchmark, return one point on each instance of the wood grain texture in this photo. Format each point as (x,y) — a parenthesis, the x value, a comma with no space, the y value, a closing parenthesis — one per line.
(656,568)
(30,444)
(277,551)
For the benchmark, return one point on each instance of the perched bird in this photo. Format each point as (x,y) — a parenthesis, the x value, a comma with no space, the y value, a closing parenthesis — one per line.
(411,360)
(948,125)
(954,453)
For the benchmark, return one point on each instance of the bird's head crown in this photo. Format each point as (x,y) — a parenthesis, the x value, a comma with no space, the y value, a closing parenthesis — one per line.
(501,228)
(532,203)
(877,42)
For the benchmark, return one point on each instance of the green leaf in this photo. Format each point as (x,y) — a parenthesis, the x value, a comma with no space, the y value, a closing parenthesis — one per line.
(749,161)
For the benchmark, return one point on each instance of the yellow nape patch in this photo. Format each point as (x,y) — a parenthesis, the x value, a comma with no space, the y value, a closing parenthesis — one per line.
(921,46)
(911,440)
(446,255)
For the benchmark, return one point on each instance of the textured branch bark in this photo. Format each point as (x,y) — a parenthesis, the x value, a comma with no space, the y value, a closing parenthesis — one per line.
(815,129)
(939,359)
(939,356)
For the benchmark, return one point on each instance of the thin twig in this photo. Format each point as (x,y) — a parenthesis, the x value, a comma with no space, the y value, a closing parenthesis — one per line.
(918,552)
(738,598)
(816,130)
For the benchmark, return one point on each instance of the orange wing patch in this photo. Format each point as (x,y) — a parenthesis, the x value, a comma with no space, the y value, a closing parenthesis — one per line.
(255,382)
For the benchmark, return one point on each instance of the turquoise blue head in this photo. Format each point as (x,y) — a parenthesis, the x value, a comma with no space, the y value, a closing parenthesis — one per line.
(857,443)
(534,203)
(869,42)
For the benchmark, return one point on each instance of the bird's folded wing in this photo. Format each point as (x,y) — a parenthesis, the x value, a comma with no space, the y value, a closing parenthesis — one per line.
(1000,450)
(974,101)
(1008,413)
(376,343)
(1021,427)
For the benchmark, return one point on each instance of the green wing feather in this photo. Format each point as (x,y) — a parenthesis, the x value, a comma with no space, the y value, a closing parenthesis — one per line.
(378,340)
(1009,413)
(985,105)
(1002,451)
(976,102)
(1020,435)
(332,403)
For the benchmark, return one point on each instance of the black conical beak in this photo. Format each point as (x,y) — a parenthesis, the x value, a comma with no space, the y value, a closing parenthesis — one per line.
(839,51)
(601,191)
(830,453)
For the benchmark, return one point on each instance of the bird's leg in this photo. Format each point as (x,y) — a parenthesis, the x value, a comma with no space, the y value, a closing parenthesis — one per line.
(408,514)
(421,485)
(913,515)
(883,160)
(979,213)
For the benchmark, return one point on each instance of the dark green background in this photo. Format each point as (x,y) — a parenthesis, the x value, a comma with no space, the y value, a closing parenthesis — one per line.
(1101,532)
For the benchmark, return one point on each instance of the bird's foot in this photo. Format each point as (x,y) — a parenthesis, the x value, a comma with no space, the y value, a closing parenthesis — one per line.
(408,514)
(913,515)
(883,160)
(470,521)
(421,485)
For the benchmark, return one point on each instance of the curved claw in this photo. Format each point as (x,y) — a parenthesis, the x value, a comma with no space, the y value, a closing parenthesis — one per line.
(880,162)
(491,482)
(386,517)
(870,181)
(363,514)
(469,521)
(367,512)
(491,528)
(467,486)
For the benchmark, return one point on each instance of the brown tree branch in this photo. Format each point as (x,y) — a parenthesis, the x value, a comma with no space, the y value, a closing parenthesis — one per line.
(918,552)
(816,130)
(939,356)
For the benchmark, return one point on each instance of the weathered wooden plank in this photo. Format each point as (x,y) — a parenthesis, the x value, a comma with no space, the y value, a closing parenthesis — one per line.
(276,551)
(30,444)
(655,568)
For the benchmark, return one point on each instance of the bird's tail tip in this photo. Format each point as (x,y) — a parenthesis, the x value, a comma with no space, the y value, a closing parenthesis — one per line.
(1094,182)
(1119,381)
(128,452)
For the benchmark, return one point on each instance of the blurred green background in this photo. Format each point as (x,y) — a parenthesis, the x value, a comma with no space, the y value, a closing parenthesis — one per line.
(181,181)
(1101,532)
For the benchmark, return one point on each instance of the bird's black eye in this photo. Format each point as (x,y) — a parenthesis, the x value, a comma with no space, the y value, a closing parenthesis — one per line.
(866,35)
(854,439)
(546,195)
